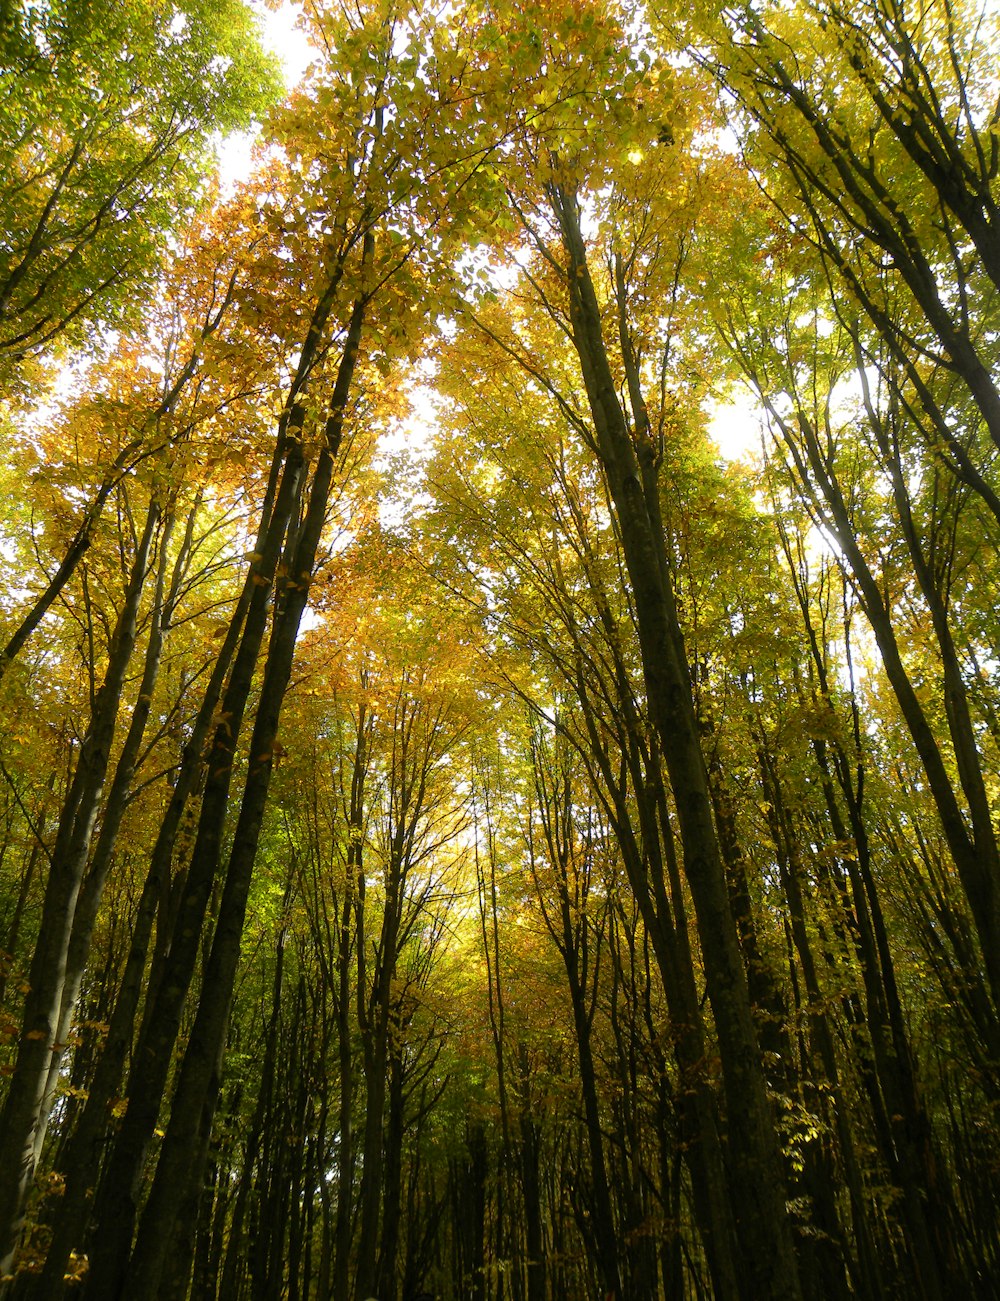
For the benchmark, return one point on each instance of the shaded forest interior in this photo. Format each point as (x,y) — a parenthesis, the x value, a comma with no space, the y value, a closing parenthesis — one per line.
(461,836)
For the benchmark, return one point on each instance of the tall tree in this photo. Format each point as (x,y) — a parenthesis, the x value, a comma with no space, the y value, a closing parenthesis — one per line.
(105,130)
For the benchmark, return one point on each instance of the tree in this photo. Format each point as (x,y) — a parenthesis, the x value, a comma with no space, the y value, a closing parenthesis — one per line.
(910,136)
(105,133)
(458,837)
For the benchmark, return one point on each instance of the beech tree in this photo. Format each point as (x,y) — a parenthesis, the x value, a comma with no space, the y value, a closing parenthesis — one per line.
(911,278)
(460,836)
(104,130)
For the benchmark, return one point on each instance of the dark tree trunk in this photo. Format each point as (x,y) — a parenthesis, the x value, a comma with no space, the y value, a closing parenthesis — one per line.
(23,1113)
(757,1180)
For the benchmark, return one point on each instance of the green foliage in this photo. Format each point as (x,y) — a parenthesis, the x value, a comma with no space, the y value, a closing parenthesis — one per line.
(108,115)
(469,1043)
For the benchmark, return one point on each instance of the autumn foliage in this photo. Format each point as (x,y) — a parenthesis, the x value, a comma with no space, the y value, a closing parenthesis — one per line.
(473,826)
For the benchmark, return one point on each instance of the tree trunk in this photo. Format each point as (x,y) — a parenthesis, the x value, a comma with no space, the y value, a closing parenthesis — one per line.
(198,1080)
(23,1111)
(758,1199)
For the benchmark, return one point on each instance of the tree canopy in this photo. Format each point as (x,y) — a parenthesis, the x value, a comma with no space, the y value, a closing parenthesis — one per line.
(462,836)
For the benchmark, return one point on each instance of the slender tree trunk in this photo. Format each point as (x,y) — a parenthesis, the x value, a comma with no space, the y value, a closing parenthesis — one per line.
(976,859)
(489,922)
(650,860)
(375,1037)
(116,1202)
(85,1148)
(8,955)
(393,1183)
(115,1205)
(768,1257)
(532,1194)
(237,1246)
(198,1080)
(23,1111)
(355,876)
(605,1238)
(92,889)
(571,932)
(830,1280)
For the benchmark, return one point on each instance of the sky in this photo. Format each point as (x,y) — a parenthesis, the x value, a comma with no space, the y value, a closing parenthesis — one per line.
(283,38)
